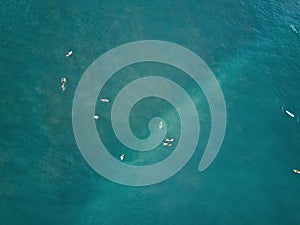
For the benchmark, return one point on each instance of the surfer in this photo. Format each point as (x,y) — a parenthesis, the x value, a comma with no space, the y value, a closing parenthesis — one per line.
(169,139)
(63,87)
(296,171)
(69,53)
(160,124)
(104,100)
(168,144)
(122,157)
(63,81)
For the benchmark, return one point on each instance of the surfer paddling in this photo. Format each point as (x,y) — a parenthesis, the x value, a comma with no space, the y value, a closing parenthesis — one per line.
(63,81)
(69,53)
(296,171)
(167,144)
(169,139)
(160,125)
(104,100)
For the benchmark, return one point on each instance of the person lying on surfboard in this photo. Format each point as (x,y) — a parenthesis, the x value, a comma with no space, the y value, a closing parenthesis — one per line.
(69,53)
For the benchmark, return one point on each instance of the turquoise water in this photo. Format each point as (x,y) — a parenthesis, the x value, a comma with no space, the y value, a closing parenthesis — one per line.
(253,53)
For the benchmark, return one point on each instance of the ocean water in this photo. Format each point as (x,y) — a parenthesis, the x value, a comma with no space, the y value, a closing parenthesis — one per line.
(251,49)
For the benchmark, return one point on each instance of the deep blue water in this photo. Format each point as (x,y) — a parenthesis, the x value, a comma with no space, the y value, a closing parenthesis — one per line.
(249,46)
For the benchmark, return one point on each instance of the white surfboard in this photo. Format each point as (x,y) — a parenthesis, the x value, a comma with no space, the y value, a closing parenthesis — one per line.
(289,113)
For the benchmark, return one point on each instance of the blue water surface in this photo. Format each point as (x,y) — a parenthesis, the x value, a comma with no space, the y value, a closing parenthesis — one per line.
(249,46)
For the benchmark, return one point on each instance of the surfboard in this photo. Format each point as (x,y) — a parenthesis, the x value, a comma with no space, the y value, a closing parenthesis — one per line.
(289,113)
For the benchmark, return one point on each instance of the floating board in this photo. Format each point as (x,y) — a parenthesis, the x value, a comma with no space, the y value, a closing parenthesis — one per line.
(289,113)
